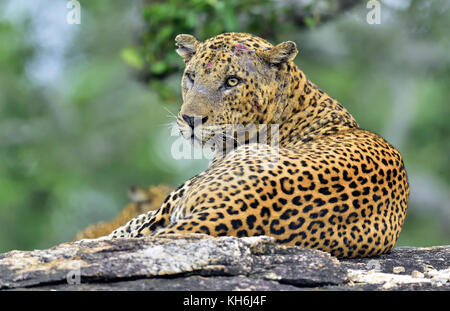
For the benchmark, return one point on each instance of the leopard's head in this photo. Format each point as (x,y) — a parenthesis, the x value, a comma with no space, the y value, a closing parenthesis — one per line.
(231,79)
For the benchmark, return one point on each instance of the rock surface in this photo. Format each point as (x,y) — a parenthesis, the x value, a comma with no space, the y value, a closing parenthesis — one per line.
(198,262)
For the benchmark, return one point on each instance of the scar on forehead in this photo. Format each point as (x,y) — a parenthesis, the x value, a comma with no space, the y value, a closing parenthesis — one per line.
(211,60)
(242,48)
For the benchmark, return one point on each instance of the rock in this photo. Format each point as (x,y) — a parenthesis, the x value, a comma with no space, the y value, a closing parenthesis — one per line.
(398,269)
(199,262)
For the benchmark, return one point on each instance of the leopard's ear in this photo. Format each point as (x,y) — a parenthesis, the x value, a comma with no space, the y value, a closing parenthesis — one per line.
(187,46)
(282,53)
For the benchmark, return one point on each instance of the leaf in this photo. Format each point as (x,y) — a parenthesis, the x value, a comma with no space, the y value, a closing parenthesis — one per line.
(309,21)
(159,67)
(132,57)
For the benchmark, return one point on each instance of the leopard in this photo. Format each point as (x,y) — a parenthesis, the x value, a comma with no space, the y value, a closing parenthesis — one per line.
(317,180)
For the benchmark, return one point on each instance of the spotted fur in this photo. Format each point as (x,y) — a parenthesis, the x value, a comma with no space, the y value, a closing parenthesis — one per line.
(327,184)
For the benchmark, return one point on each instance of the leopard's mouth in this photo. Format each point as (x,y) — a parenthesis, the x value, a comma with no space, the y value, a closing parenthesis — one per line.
(217,136)
(195,136)
(199,135)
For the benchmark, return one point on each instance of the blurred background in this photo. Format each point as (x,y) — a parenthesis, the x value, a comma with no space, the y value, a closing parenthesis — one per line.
(85,108)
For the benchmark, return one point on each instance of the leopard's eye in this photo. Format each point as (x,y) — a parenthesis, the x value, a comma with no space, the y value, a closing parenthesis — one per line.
(190,76)
(232,81)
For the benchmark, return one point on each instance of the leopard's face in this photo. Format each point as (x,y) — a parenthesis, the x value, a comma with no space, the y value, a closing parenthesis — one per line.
(230,82)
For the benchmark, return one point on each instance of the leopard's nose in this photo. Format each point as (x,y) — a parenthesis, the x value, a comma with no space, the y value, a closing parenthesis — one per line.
(194,121)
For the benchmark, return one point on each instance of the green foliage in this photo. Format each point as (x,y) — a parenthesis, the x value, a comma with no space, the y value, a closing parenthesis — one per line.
(203,18)
(156,58)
